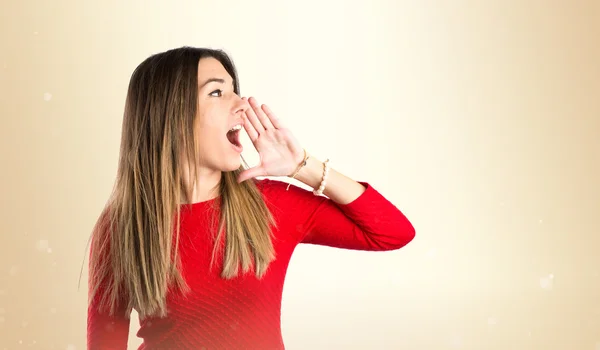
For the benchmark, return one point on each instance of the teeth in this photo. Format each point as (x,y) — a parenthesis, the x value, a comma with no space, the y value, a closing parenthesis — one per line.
(235,128)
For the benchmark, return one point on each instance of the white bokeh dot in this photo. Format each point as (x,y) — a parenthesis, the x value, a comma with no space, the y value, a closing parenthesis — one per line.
(456,342)
(42,245)
(547,282)
(49,250)
(492,321)
(71,347)
(47,96)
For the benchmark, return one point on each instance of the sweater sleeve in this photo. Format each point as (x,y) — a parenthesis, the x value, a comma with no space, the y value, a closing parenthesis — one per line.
(105,331)
(370,222)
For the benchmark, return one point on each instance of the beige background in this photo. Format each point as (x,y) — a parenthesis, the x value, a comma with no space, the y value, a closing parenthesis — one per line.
(479,119)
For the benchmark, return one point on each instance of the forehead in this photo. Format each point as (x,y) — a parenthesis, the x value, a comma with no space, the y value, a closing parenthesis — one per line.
(210,67)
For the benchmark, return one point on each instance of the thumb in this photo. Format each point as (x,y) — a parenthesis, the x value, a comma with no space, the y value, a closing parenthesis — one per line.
(251,173)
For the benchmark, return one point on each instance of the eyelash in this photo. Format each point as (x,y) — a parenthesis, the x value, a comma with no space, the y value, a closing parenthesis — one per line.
(219,91)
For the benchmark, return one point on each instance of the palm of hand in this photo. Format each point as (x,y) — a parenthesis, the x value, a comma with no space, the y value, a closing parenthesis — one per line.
(279,151)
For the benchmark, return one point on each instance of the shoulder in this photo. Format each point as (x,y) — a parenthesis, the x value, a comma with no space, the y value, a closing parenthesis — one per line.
(271,189)
(280,189)
(285,194)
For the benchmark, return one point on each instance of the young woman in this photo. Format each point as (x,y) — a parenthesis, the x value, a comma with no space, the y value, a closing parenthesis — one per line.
(190,238)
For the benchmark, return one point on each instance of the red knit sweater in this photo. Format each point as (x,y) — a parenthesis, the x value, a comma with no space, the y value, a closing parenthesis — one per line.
(244,313)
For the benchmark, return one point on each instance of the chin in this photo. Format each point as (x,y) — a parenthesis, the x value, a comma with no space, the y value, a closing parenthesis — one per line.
(233,164)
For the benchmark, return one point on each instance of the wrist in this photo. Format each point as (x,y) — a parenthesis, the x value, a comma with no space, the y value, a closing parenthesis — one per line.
(311,174)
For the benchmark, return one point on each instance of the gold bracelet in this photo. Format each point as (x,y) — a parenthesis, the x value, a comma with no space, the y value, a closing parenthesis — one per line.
(302,165)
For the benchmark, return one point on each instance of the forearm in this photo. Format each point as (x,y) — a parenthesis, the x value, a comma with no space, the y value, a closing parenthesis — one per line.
(339,188)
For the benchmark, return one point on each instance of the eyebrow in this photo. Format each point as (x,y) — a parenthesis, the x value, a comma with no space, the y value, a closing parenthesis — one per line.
(212,80)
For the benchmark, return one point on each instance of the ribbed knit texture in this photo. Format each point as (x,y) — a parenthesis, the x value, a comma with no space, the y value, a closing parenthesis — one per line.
(244,313)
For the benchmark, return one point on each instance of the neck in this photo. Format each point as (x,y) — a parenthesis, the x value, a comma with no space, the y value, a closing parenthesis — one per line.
(206,186)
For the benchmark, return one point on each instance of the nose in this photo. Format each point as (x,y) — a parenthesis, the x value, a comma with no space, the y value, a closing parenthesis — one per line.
(241,105)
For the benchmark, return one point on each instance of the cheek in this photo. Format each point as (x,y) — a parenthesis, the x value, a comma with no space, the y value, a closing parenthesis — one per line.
(210,118)
(209,133)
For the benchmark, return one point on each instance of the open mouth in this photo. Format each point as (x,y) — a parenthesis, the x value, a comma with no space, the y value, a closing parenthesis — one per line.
(233,135)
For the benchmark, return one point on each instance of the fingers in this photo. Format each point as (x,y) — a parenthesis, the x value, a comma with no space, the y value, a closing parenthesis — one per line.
(251,173)
(272,117)
(257,116)
(253,118)
(249,126)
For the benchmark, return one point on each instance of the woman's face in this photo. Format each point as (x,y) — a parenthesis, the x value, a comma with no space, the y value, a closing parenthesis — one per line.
(219,110)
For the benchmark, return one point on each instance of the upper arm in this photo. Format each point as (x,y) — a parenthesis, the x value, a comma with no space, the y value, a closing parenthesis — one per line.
(104,330)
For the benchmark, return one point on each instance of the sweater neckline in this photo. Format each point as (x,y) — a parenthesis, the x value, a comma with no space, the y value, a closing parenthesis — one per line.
(198,205)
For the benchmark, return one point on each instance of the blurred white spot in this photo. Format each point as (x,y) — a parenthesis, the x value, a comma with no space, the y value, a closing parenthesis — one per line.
(47,96)
(501,204)
(431,253)
(71,347)
(109,327)
(13,270)
(540,221)
(54,263)
(42,245)
(529,334)
(492,321)
(547,282)
(53,310)
(456,342)
(49,250)
(24,324)
(35,33)
(20,342)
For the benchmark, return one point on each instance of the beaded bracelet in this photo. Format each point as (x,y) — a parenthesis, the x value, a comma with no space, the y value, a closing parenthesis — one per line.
(321,188)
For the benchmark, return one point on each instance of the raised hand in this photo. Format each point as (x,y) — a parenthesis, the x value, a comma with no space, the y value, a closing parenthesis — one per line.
(280,152)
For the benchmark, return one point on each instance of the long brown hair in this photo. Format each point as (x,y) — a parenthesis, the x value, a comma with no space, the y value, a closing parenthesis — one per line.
(133,256)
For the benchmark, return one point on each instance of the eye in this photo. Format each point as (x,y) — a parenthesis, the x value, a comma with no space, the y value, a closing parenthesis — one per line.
(218,91)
